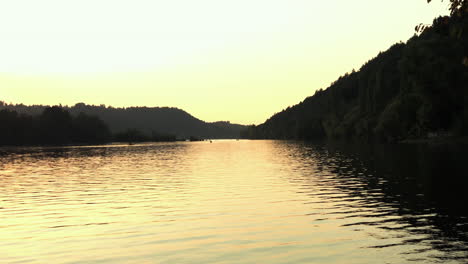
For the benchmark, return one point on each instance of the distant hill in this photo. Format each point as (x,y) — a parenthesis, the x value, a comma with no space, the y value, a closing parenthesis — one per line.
(414,90)
(164,120)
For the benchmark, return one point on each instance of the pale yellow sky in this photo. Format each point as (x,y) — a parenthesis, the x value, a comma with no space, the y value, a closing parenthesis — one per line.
(240,60)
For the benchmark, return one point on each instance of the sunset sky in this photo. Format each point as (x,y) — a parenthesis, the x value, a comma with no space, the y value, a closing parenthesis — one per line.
(240,60)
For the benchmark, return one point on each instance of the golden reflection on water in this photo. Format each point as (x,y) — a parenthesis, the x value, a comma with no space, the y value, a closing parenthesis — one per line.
(193,202)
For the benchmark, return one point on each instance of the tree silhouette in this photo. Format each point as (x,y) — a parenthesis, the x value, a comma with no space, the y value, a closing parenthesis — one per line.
(89,129)
(457,6)
(54,126)
(409,91)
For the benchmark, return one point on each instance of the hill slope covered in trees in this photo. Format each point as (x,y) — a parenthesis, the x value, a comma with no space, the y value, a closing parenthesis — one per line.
(411,91)
(54,126)
(146,120)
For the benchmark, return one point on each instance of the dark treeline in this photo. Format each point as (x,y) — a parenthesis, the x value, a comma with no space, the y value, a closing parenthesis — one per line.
(54,126)
(411,91)
(135,135)
(57,126)
(164,120)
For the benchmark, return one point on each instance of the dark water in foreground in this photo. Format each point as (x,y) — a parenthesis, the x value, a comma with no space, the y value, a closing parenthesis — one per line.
(233,202)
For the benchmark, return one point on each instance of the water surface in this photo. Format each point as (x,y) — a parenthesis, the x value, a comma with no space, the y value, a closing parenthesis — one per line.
(233,202)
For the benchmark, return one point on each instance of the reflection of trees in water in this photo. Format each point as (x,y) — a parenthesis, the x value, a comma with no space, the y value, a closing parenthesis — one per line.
(414,191)
(95,165)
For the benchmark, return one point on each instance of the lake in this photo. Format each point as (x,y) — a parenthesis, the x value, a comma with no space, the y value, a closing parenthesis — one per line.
(234,202)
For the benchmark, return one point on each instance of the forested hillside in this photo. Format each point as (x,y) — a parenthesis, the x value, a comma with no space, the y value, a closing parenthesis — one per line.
(413,90)
(144,120)
(54,126)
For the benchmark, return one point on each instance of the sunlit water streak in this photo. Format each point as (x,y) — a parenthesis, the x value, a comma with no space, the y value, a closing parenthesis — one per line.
(220,202)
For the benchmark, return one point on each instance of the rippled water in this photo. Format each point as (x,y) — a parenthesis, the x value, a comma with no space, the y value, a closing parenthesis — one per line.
(232,202)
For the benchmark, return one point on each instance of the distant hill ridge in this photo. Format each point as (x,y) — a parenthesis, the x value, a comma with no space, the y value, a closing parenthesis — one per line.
(166,120)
